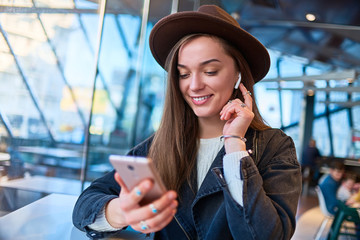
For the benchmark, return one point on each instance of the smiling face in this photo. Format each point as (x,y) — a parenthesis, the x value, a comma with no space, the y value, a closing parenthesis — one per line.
(336,174)
(207,76)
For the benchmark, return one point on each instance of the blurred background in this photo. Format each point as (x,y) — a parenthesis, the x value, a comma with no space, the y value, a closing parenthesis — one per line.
(78,83)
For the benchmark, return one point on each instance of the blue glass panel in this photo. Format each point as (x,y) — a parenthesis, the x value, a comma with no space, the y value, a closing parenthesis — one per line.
(321,135)
(341,133)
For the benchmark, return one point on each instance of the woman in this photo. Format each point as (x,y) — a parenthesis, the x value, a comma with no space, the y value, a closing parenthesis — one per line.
(231,176)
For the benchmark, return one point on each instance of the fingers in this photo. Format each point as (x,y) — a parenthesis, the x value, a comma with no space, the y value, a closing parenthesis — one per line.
(235,107)
(125,210)
(229,110)
(130,200)
(119,180)
(147,211)
(153,217)
(156,223)
(247,96)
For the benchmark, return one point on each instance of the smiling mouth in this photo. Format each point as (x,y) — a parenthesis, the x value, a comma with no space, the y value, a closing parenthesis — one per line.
(198,99)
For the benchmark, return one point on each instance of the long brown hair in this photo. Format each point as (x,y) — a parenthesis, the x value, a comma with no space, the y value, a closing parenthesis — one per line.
(175,144)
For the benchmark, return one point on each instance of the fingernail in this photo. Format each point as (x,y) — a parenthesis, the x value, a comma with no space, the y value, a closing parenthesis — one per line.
(137,191)
(147,185)
(171,196)
(174,204)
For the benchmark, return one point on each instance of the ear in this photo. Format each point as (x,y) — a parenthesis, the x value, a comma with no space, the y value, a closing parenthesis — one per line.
(238,82)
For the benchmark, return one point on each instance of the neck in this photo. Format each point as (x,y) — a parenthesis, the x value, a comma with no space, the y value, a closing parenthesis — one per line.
(210,128)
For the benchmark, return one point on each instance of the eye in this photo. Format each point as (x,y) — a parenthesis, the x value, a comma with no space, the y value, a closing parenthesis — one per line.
(211,73)
(183,76)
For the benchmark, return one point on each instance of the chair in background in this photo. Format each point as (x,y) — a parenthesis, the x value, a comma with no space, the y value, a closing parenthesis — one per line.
(327,215)
(343,216)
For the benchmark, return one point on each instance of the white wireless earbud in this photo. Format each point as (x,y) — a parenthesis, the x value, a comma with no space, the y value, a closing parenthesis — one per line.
(238,82)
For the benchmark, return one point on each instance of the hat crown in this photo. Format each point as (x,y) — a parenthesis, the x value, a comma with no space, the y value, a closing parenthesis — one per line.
(218,12)
(211,20)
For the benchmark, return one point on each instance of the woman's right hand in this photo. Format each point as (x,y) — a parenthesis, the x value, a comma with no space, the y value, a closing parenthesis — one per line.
(126,211)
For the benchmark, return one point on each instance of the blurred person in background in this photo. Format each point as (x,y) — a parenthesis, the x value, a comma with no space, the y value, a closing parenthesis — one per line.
(309,164)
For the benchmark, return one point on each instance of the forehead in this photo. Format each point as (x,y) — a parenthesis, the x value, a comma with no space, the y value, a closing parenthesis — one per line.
(202,47)
(338,170)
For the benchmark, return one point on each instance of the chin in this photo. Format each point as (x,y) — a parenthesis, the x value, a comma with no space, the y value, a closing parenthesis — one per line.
(204,115)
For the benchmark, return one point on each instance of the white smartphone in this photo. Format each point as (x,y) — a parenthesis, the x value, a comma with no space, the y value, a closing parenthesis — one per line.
(133,170)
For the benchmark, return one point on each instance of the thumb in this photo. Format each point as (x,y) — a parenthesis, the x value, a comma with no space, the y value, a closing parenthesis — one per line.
(119,180)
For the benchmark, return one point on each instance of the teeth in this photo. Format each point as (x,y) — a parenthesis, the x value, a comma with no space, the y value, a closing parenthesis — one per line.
(200,98)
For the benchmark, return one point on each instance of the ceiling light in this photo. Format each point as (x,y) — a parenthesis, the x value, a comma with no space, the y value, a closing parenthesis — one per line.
(236,16)
(310,17)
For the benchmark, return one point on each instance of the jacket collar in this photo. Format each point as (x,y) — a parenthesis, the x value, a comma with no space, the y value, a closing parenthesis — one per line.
(212,183)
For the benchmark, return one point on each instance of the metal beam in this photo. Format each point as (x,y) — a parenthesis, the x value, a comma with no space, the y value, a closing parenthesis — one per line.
(307,120)
(279,93)
(12,10)
(326,89)
(174,6)
(85,163)
(291,24)
(38,10)
(328,120)
(344,104)
(333,75)
(6,124)
(139,63)
(347,31)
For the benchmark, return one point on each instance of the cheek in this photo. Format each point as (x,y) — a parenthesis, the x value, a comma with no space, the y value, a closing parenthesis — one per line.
(182,87)
(338,175)
(226,91)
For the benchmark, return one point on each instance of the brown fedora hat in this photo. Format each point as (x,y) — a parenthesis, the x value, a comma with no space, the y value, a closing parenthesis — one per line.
(209,19)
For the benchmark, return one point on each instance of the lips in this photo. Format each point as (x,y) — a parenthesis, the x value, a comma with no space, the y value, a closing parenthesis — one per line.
(200,100)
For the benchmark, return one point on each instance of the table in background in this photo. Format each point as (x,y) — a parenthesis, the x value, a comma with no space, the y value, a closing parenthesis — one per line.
(42,185)
(49,218)
(4,163)
(52,157)
(45,184)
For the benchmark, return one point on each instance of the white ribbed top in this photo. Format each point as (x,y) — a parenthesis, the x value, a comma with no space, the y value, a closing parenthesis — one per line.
(208,150)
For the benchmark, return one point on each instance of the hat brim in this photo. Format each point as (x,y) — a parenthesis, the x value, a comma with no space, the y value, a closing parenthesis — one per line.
(169,30)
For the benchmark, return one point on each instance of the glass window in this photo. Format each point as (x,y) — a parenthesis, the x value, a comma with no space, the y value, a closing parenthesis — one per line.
(268,104)
(293,132)
(321,135)
(341,133)
(47,55)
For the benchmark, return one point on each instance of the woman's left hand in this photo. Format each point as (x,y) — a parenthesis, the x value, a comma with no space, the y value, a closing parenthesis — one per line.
(237,114)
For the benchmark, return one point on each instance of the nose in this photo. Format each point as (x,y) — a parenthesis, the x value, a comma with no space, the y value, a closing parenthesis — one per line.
(196,82)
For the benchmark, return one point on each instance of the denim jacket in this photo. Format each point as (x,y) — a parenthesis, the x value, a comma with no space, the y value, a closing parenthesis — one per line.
(271,189)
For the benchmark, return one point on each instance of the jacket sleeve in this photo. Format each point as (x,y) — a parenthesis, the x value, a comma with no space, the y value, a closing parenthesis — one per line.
(97,195)
(271,190)
(92,200)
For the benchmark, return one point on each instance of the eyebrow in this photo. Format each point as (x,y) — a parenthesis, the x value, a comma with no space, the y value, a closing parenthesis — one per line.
(203,63)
